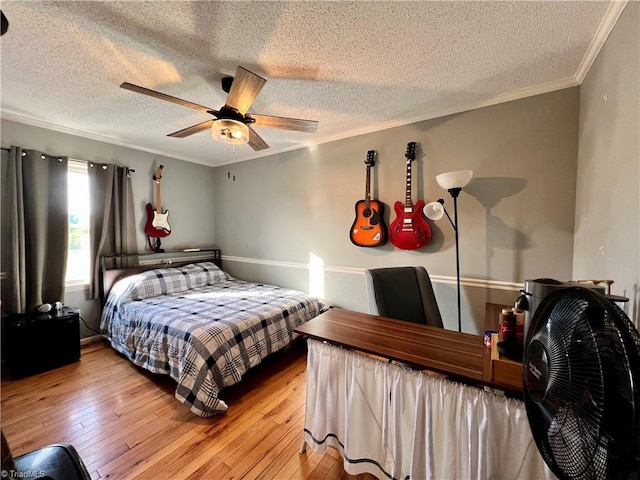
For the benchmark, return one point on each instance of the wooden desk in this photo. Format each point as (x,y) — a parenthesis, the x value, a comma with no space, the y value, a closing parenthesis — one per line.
(395,422)
(455,354)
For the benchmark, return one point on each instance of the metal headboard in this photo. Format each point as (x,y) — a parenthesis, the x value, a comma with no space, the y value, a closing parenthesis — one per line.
(118,266)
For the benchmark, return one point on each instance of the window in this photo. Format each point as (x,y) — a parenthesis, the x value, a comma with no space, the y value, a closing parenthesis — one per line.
(79,254)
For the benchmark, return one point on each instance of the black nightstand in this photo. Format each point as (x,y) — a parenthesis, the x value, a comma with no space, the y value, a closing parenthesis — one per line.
(36,342)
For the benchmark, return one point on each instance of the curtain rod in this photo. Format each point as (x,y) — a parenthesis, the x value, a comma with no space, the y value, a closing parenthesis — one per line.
(88,162)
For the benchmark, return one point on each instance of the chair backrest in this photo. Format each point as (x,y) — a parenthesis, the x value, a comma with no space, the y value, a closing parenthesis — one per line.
(404,293)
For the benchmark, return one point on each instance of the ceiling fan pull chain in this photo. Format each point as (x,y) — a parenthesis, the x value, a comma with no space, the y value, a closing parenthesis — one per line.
(230,146)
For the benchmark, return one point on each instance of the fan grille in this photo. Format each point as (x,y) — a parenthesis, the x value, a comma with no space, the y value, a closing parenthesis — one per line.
(580,390)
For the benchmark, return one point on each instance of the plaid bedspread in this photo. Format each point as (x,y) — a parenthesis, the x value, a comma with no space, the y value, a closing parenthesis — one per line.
(202,327)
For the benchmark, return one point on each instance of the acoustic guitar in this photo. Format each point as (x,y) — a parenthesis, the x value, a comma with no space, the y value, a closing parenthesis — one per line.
(157,220)
(410,229)
(369,229)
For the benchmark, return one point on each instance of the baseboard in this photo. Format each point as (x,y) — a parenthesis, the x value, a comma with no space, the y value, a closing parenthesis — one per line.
(86,341)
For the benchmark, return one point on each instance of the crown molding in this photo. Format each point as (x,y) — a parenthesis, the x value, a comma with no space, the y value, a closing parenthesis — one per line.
(455,109)
(35,122)
(604,30)
(438,113)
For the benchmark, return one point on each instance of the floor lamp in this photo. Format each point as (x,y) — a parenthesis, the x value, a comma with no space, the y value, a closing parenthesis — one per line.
(453,182)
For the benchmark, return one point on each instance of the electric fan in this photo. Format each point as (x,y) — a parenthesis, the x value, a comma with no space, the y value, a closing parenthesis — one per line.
(581,370)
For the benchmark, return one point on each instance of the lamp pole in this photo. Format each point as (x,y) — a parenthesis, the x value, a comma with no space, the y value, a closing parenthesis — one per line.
(454,193)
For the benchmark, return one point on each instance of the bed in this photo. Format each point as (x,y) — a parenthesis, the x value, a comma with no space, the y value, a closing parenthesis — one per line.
(200,326)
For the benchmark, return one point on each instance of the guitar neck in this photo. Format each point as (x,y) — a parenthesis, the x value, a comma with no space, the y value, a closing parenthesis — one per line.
(408,202)
(367,189)
(158,197)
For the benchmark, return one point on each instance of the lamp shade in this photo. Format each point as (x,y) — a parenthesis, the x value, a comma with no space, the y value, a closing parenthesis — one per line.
(230,131)
(433,211)
(457,179)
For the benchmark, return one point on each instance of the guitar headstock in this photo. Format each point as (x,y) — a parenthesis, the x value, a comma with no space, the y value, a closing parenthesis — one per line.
(411,152)
(158,173)
(370,161)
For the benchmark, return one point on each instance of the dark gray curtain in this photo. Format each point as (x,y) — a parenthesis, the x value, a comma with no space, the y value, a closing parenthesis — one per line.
(112,221)
(35,230)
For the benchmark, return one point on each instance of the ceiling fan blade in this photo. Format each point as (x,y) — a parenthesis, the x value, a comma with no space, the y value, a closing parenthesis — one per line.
(164,96)
(255,141)
(185,132)
(284,123)
(244,90)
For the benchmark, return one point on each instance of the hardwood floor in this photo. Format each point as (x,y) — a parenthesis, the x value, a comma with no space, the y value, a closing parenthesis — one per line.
(126,423)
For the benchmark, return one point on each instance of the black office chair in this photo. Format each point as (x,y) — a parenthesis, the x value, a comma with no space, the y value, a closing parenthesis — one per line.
(53,462)
(404,293)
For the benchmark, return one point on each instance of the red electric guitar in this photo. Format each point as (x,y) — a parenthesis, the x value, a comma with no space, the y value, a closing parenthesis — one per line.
(369,229)
(157,225)
(410,229)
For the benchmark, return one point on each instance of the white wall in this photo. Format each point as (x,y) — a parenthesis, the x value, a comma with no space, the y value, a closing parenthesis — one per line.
(187,191)
(607,223)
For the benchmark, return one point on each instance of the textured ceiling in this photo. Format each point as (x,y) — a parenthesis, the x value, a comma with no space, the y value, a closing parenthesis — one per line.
(356,67)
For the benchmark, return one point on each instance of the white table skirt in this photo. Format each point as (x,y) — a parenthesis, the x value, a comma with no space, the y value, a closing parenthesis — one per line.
(394,422)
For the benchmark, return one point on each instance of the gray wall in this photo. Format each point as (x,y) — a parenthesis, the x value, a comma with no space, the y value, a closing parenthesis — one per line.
(187,191)
(607,225)
(516,217)
(551,187)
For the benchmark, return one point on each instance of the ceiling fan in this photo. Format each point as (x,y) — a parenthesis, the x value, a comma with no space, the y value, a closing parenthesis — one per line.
(232,123)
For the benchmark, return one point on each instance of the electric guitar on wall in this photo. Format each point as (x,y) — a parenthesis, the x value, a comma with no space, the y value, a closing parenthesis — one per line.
(369,229)
(157,225)
(410,229)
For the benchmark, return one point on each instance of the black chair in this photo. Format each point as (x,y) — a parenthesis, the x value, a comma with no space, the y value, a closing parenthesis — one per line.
(53,462)
(403,293)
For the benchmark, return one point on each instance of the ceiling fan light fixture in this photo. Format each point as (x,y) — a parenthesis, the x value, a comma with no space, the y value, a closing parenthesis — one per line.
(230,131)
